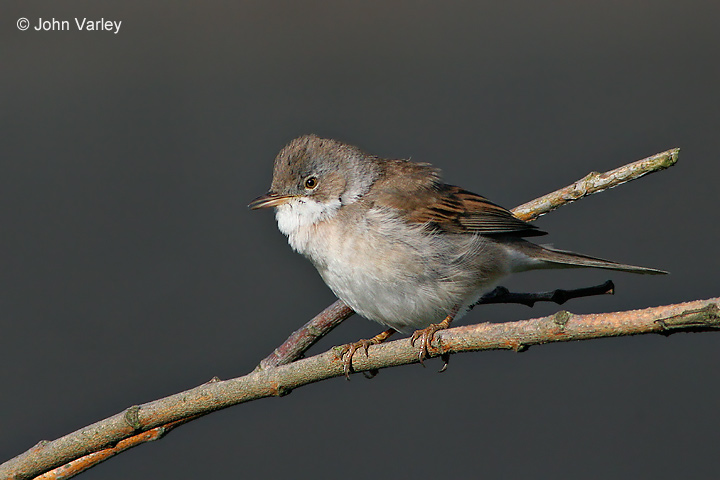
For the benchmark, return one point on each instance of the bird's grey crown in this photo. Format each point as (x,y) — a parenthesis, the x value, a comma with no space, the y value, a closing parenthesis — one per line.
(344,172)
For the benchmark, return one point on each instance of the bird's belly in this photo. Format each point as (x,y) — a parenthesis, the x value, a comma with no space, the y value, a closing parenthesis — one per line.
(384,278)
(396,302)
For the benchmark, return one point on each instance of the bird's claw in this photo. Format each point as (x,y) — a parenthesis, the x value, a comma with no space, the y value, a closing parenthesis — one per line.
(446,359)
(347,352)
(426,336)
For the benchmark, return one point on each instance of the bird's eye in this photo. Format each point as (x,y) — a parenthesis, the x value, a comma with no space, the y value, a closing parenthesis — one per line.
(311,183)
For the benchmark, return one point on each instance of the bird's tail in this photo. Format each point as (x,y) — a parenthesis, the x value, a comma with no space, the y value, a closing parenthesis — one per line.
(553,258)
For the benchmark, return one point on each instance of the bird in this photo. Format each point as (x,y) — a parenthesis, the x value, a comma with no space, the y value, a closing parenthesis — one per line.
(397,244)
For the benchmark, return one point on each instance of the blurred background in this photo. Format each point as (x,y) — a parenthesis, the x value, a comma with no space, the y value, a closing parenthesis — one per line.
(131,268)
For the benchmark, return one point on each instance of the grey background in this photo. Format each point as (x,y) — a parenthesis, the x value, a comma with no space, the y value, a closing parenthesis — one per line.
(131,269)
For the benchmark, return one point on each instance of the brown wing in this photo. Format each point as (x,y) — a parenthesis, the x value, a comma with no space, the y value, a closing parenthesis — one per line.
(456,210)
(417,192)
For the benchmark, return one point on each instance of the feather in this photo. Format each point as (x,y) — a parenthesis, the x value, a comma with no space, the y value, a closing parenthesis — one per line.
(419,196)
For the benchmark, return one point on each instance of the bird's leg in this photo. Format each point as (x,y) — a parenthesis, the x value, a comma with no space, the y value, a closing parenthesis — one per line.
(426,336)
(349,350)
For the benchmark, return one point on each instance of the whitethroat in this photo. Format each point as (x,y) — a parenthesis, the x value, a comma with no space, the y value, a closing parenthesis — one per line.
(395,243)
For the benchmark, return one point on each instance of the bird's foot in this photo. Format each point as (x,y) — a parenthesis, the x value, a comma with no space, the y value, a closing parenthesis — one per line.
(347,351)
(426,336)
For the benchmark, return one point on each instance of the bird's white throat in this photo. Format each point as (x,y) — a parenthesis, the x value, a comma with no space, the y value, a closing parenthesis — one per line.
(295,217)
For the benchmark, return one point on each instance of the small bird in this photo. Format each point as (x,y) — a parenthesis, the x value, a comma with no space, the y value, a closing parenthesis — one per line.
(395,243)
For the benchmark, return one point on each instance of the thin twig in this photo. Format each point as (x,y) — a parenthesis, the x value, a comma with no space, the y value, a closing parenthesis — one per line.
(308,335)
(700,315)
(595,182)
(559,296)
(81,464)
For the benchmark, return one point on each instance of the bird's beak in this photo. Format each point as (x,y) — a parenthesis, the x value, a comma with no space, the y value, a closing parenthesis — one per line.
(268,200)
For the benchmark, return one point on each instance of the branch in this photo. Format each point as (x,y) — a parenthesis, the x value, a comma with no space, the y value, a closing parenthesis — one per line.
(328,319)
(697,316)
(88,446)
(595,182)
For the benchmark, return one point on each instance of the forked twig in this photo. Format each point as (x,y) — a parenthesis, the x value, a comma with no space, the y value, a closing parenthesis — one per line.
(80,450)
